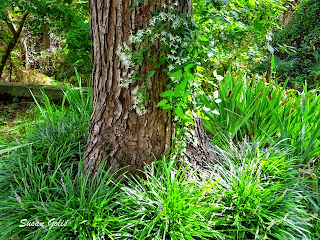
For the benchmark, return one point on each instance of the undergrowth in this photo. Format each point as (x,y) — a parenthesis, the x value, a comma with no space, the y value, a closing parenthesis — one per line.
(255,192)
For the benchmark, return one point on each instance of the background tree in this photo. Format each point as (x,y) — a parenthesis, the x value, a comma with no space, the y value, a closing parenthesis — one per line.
(64,20)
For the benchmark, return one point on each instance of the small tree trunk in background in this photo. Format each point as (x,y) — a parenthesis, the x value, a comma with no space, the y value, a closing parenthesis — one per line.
(47,38)
(10,70)
(13,42)
(24,51)
(288,14)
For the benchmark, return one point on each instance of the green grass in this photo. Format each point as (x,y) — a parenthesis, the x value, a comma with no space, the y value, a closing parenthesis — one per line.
(267,113)
(246,196)
(15,119)
(262,193)
(256,191)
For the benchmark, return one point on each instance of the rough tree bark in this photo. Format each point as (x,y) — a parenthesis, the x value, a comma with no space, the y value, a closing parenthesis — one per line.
(288,14)
(116,131)
(24,50)
(12,43)
(47,38)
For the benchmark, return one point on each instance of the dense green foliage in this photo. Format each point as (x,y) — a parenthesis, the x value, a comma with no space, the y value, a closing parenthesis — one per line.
(298,46)
(266,113)
(250,193)
(255,191)
(54,39)
(238,31)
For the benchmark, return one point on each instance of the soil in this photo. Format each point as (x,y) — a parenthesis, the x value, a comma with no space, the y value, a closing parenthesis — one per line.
(12,114)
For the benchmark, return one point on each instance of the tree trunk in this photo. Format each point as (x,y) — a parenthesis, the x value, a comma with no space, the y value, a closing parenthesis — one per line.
(13,42)
(288,14)
(47,38)
(24,51)
(116,131)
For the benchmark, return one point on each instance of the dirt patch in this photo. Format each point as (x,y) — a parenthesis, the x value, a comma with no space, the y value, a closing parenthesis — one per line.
(13,114)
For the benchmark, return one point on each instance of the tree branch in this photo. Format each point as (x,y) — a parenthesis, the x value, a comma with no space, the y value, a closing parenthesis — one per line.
(13,42)
(8,20)
(21,24)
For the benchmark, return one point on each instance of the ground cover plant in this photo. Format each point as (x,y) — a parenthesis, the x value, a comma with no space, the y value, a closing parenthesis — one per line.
(254,192)
(266,112)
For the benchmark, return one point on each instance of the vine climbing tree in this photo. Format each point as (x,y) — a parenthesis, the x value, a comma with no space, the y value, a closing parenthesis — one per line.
(139,94)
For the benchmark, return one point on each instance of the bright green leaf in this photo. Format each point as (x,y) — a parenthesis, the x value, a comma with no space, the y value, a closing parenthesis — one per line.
(252,2)
(162,103)
(177,74)
(187,68)
(150,74)
(272,64)
(179,112)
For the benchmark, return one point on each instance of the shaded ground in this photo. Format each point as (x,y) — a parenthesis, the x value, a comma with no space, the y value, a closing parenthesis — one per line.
(13,114)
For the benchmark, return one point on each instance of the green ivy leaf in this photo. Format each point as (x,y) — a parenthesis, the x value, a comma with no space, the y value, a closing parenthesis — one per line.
(177,74)
(166,106)
(182,85)
(150,74)
(170,93)
(179,112)
(162,103)
(187,68)
(202,38)
(188,76)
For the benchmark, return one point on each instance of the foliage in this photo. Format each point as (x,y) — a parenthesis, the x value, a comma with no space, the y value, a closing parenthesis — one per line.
(174,57)
(262,194)
(82,207)
(298,46)
(66,22)
(169,205)
(75,49)
(56,9)
(251,194)
(266,113)
(266,184)
(238,32)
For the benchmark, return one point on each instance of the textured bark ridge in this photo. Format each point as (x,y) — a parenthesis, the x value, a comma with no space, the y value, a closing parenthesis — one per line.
(200,152)
(116,131)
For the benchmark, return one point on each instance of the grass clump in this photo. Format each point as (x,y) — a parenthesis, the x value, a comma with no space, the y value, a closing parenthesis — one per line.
(263,194)
(169,205)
